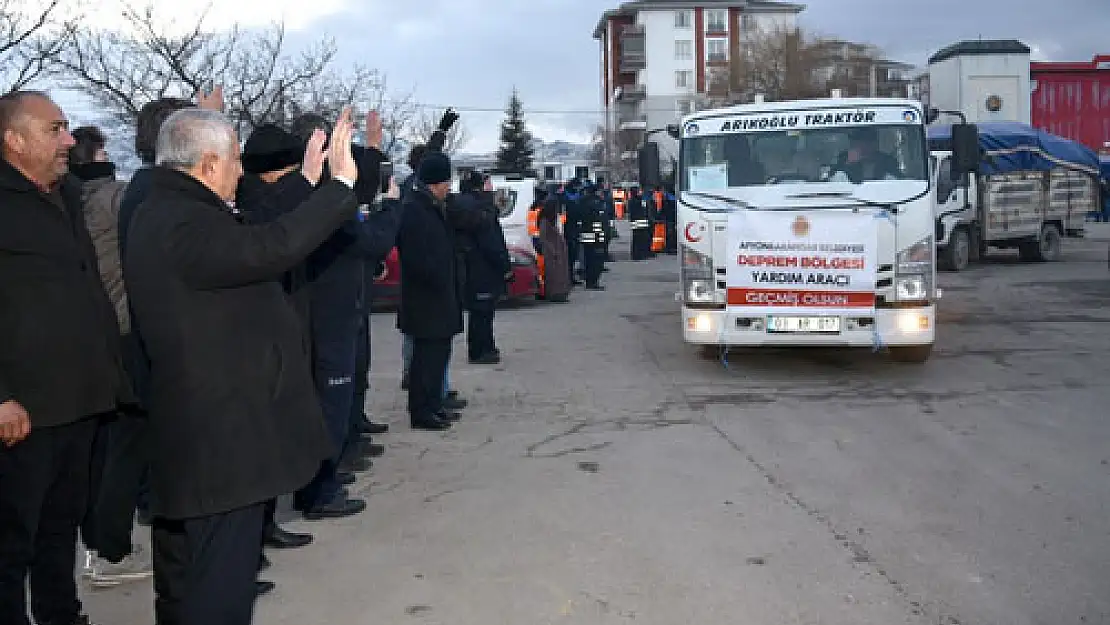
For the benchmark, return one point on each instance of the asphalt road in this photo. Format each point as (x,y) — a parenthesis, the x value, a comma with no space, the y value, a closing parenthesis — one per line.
(606,474)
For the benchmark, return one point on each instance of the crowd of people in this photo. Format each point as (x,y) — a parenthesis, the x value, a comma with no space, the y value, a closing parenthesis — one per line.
(183,348)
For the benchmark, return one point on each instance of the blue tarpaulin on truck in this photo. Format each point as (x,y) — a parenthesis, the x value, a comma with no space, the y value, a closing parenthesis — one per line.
(1013,146)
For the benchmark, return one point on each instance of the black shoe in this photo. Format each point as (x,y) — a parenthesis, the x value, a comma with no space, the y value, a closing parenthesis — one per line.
(355,464)
(371,450)
(452,394)
(594,287)
(448,416)
(263,587)
(433,423)
(491,358)
(604,270)
(366,426)
(454,403)
(143,517)
(277,538)
(337,508)
(264,563)
(345,478)
(405,382)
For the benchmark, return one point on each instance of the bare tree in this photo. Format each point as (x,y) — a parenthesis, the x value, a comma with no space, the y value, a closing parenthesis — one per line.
(262,83)
(427,122)
(787,63)
(31,39)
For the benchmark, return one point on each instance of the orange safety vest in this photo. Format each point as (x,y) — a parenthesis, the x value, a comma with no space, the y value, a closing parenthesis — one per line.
(659,232)
(534,221)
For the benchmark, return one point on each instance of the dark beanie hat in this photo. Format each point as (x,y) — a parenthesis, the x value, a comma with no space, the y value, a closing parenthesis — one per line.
(435,168)
(271,148)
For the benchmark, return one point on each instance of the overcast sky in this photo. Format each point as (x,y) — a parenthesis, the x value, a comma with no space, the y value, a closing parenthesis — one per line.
(470,53)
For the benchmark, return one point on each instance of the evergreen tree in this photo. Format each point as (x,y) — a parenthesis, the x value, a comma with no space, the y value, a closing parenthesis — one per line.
(515,153)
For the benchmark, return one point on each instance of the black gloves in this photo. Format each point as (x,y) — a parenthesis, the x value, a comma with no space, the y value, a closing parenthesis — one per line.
(449,118)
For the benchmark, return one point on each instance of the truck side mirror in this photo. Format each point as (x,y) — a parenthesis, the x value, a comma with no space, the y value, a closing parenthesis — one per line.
(965,149)
(674,130)
(932,114)
(650,174)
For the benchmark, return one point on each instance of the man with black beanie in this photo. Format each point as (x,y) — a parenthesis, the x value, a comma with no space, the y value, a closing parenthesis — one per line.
(431,300)
(276,182)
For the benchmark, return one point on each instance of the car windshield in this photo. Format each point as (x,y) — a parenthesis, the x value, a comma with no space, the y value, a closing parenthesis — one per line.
(840,153)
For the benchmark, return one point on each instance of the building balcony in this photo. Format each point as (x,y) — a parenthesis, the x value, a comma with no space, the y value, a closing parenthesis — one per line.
(718,59)
(631,62)
(633,123)
(632,93)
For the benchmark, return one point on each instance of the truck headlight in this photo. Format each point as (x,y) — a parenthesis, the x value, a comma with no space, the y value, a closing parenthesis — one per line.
(914,273)
(521,259)
(698,286)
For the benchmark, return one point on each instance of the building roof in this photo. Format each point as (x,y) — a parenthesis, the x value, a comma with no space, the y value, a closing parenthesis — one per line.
(634,6)
(980,47)
(1101,63)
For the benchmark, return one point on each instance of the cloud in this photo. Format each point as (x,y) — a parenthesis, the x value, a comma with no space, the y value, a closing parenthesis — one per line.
(471,53)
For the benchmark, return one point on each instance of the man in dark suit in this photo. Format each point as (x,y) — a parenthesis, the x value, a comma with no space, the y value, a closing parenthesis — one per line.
(234,419)
(431,298)
(60,363)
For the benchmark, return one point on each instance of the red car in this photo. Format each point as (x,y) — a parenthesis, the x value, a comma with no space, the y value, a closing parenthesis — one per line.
(526,282)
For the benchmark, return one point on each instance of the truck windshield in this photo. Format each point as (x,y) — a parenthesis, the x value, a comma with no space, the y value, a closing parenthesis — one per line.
(856,154)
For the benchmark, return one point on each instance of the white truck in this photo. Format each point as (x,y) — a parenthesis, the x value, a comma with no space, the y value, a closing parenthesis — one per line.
(1029,191)
(807,223)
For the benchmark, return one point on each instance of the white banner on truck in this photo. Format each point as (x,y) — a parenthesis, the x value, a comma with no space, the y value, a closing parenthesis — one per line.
(799,262)
(803,120)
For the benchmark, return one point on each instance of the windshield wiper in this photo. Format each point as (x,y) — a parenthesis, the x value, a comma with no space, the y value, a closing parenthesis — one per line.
(727,200)
(844,195)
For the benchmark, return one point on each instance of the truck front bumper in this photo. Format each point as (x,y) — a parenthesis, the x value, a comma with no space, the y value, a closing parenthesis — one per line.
(742,327)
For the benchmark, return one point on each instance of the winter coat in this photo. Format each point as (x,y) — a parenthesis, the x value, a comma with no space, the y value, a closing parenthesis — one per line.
(135,358)
(234,418)
(431,298)
(59,338)
(261,203)
(101,195)
(337,270)
(487,259)
(556,268)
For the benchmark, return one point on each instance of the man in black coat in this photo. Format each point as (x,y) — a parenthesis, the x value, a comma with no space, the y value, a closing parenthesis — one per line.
(487,268)
(60,363)
(234,419)
(431,299)
(641,224)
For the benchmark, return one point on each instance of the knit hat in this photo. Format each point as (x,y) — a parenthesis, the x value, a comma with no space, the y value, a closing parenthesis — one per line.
(435,168)
(271,148)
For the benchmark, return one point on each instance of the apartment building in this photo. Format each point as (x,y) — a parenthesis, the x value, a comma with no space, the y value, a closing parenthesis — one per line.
(657,56)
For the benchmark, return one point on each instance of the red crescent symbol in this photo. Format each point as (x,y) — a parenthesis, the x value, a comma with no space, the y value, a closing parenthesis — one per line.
(689,237)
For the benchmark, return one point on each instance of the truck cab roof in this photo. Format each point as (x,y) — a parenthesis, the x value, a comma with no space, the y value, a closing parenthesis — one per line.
(800,105)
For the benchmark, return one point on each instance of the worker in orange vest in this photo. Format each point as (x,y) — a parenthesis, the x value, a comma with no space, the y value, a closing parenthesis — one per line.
(659,229)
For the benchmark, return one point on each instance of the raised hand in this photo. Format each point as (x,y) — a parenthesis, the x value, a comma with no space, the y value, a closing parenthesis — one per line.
(374,132)
(394,190)
(312,167)
(15,423)
(449,118)
(341,159)
(212,100)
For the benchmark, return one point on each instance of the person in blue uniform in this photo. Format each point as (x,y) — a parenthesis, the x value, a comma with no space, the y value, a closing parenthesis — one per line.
(593,237)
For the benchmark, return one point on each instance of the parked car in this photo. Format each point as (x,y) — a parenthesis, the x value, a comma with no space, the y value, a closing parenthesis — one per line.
(526,278)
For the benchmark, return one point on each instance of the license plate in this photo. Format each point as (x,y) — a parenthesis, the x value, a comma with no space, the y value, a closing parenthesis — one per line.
(803,324)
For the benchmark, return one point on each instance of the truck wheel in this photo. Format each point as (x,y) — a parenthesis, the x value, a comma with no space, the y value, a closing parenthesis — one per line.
(957,254)
(914,354)
(1047,247)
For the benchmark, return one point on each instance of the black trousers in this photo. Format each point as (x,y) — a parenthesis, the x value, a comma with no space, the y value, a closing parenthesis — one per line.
(44,483)
(429,361)
(572,251)
(592,263)
(641,243)
(479,331)
(119,471)
(205,568)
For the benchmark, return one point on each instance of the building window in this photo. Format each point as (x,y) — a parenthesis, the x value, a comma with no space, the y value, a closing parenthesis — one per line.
(716,49)
(683,50)
(684,79)
(682,19)
(715,21)
(685,107)
(747,23)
